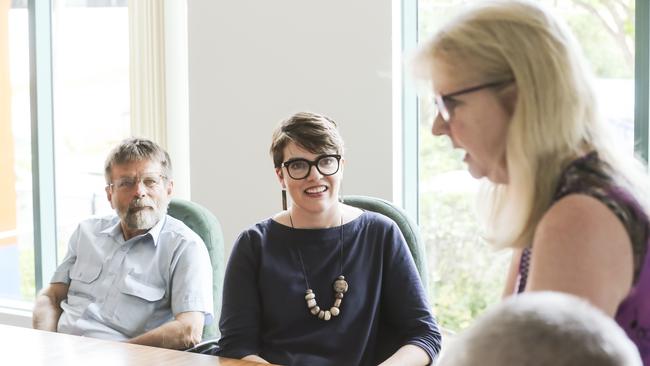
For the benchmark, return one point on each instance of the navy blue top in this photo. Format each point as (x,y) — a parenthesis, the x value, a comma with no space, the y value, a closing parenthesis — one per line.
(264,311)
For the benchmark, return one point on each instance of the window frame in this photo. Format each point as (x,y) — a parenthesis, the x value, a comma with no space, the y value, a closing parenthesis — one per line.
(410,114)
(42,130)
(641,78)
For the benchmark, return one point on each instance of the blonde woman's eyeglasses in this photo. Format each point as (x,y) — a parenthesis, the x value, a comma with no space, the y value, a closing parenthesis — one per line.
(446,104)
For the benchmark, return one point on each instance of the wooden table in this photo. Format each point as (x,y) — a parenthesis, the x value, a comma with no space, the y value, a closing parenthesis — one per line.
(24,346)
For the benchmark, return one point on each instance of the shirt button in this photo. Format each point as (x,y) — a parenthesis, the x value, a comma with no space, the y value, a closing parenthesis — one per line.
(124,248)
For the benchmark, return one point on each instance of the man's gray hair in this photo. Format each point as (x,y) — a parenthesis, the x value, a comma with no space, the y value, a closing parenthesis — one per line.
(542,328)
(137,149)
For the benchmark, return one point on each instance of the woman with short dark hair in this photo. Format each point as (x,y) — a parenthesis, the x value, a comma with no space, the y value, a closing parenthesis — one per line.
(321,282)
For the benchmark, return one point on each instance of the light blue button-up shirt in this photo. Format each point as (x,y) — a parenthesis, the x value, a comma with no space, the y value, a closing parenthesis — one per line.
(120,289)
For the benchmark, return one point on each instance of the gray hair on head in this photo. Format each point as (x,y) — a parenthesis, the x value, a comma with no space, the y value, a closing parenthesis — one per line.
(137,149)
(542,328)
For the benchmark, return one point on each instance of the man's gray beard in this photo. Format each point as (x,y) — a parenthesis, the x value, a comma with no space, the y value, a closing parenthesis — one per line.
(144,219)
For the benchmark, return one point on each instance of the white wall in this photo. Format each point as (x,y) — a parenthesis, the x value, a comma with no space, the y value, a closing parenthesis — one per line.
(253,63)
(177,98)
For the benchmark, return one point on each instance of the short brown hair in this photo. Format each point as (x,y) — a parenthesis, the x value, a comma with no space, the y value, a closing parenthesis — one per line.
(313,132)
(137,149)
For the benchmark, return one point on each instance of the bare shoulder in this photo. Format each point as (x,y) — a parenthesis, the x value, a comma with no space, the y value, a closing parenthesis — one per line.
(581,247)
(582,221)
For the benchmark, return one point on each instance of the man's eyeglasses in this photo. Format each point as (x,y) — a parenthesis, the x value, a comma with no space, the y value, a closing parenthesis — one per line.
(300,168)
(446,103)
(150,181)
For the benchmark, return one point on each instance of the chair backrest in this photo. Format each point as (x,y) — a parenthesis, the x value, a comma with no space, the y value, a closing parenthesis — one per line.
(405,223)
(206,225)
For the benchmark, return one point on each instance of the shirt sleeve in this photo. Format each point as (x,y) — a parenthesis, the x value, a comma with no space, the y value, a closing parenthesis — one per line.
(406,301)
(191,282)
(240,314)
(62,273)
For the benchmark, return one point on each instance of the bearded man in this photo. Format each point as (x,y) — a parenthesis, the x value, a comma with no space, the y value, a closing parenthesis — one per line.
(139,276)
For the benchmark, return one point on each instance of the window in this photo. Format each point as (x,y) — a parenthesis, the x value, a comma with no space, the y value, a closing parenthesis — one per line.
(90,43)
(91,96)
(466,274)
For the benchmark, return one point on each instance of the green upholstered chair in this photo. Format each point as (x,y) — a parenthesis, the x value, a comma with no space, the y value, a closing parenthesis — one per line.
(206,225)
(407,225)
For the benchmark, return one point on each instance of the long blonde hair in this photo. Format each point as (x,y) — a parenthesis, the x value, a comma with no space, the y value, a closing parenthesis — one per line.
(555,117)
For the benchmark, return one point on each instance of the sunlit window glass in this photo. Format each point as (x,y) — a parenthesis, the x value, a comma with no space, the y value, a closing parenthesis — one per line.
(91,104)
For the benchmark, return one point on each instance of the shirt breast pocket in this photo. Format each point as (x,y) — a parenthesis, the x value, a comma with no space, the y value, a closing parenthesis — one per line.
(137,305)
(83,279)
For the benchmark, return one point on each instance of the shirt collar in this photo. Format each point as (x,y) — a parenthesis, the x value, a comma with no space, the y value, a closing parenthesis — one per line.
(155,231)
(115,230)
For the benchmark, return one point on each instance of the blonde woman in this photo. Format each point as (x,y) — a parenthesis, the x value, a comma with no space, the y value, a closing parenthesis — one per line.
(512,90)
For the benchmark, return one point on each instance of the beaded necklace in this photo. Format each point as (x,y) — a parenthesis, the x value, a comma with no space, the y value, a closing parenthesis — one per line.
(340,284)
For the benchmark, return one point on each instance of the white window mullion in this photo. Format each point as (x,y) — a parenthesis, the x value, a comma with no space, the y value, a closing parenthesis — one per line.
(40,49)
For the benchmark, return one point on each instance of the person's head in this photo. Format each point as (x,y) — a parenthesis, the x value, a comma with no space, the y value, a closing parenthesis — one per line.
(534,109)
(307,152)
(539,329)
(138,183)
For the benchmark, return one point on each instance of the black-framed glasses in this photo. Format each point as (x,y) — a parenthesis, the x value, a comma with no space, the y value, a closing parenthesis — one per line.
(151,182)
(446,104)
(300,168)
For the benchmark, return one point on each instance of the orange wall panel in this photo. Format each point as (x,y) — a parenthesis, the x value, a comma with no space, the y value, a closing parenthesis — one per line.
(7,172)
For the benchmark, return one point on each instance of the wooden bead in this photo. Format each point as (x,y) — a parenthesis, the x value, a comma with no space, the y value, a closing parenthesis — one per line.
(340,285)
(340,288)
(315,310)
